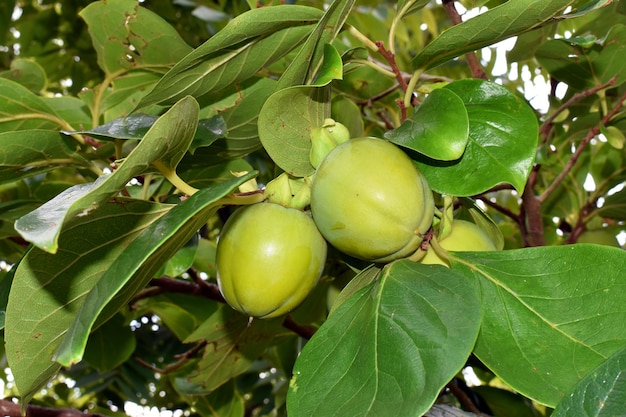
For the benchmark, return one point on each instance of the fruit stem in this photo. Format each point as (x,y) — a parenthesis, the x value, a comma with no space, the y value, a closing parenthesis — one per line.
(439,250)
(174,179)
(244,199)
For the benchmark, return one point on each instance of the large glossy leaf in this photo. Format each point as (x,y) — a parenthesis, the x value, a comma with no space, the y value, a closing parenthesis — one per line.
(585,66)
(439,128)
(390,348)
(509,19)
(167,141)
(248,43)
(551,315)
(502,142)
(136,265)
(128,36)
(285,124)
(48,289)
(602,393)
(26,153)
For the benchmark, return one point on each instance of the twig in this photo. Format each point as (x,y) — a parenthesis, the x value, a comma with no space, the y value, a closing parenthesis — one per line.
(11,409)
(593,132)
(306,332)
(391,59)
(499,208)
(472,61)
(183,358)
(464,399)
(546,126)
(211,291)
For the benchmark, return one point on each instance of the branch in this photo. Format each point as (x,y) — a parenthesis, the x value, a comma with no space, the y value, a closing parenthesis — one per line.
(11,409)
(546,126)
(211,291)
(475,67)
(593,132)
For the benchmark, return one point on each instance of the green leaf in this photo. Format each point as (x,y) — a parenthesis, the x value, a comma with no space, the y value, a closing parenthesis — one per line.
(602,393)
(550,315)
(502,142)
(28,73)
(181,313)
(48,289)
(135,126)
(233,344)
(182,260)
(249,42)
(110,345)
(582,67)
(285,124)
(439,128)
(509,19)
(6,280)
(26,153)
(136,265)
(225,401)
(21,109)
(166,142)
(316,52)
(128,36)
(390,348)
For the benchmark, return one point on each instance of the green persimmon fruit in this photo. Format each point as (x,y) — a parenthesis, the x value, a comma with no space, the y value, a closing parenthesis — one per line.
(463,237)
(269,258)
(370,201)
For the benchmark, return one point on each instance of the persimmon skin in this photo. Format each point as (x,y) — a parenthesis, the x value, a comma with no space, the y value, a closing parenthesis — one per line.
(370,201)
(464,237)
(269,258)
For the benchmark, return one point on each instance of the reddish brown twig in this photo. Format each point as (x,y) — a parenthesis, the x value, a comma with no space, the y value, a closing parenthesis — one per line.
(11,409)
(211,291)
(472,61)
(182,359)
(546,126)
(593,132)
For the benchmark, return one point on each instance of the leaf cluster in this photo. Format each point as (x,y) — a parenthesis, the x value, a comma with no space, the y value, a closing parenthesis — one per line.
(122,157)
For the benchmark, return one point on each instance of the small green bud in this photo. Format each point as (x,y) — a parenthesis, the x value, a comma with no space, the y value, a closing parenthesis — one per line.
(289,191)
(325,138)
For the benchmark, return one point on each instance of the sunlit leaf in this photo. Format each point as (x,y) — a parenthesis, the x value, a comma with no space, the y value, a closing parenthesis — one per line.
(550,315)
(602,393)
(49,289)
(390,348)
(140,260)
(285,124)
(439,127)
(502,142)
(508,19)
(166,141)
(315,52)
(127,36)
(248,43)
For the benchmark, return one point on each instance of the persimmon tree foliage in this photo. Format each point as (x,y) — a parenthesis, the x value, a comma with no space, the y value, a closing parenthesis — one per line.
(131,132)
